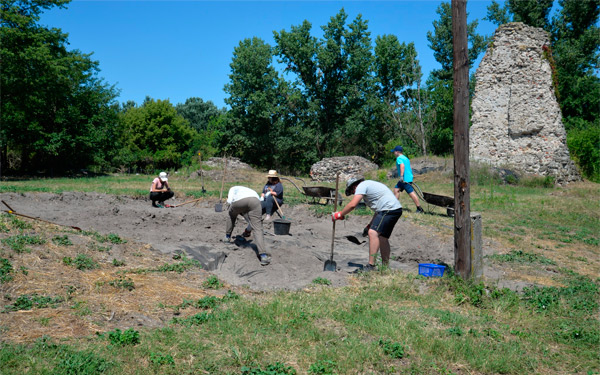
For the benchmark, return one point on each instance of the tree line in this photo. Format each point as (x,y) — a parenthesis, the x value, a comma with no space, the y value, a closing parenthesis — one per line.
(345,93)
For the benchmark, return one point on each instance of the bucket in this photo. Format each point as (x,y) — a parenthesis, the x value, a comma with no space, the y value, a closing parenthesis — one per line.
(281,227)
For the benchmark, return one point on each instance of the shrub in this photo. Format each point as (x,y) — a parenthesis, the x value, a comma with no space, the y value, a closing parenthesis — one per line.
(584,146)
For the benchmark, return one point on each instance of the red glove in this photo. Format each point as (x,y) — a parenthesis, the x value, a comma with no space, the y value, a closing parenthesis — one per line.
(336,216)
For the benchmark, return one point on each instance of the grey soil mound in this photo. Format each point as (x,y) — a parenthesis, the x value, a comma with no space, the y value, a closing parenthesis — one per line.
(297,258)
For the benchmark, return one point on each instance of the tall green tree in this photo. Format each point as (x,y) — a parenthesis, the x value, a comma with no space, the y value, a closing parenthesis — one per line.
(440,83)
(334,75)
(56,113)
(254,98)
(198,112)
(156,136)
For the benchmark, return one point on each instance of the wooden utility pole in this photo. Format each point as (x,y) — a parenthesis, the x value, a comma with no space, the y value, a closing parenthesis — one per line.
(462,191)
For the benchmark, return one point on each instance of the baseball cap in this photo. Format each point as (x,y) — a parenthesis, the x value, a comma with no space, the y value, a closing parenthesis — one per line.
(354,180)
(163,176)
(397,148)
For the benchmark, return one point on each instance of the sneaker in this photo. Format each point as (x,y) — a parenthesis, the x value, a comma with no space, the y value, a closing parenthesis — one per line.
(420,210)
(265,259)
(227,238)
(268,217)
(246,233)
(154,205)
(369,268)
(158,205)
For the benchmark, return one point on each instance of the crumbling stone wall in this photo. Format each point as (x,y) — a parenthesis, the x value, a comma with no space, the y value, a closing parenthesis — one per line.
(516,119)
(326,169)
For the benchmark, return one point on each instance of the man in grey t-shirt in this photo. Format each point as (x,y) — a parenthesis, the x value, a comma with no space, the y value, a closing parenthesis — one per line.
(387,212)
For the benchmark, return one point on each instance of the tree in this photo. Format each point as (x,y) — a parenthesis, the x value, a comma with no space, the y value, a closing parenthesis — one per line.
(57,115)
(254,100)
(440,83)
(399,76)
(198,112)
(156,136)
(334,75)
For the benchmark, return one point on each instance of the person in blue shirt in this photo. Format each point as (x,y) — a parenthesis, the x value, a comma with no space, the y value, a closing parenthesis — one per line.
(405,176)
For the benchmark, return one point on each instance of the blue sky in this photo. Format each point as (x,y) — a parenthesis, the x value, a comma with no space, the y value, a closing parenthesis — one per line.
(180,49)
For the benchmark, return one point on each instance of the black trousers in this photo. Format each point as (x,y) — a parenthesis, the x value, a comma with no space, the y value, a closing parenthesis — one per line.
(161,196)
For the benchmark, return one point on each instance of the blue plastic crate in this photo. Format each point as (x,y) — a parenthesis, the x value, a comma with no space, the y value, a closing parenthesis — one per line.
(431,270)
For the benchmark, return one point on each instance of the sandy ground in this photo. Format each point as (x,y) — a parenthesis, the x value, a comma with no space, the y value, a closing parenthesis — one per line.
(297,258)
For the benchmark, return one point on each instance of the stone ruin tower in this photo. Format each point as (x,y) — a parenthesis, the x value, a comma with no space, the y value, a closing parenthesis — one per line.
(516,119)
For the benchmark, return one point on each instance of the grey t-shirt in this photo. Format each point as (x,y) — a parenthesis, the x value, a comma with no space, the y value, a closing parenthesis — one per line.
(377,196)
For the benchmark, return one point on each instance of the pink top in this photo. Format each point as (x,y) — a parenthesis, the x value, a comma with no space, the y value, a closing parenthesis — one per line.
(158,184)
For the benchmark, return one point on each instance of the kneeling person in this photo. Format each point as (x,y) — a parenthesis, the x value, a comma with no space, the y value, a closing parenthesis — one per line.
(160,190)
(387,212)
(244,201)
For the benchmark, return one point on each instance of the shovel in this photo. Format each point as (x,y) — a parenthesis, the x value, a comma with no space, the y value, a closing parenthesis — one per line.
(279,208)
(201,174)
(330,265)
(12,212)
(219,206)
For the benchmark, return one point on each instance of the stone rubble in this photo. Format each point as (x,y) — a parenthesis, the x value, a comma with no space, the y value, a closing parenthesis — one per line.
(326,169)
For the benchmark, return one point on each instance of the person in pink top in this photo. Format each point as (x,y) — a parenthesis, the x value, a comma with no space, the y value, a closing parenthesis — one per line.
(160,190)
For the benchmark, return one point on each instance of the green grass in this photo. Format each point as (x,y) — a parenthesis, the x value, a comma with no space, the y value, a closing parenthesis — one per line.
(386,322)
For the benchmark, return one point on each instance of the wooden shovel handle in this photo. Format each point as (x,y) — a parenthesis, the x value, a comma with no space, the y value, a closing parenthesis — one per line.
(337,182)
(223,180)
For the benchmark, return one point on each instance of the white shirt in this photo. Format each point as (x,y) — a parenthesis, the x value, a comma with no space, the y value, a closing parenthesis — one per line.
(240,192)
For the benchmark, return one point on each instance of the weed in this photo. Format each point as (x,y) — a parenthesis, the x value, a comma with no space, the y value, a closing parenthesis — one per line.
(6,270)
(84,362)
(18,242)
(44,322)
(179,267)
(455,331)
(114,239)
(520,256)
(230,295)
(122,283)
(81,262)
(161,359)
(117,263)
(393,349)
(62,240)
(81,308)
(30,301)
(24,270)
(20,224)
(95,247)
(201,318)
(123,338)
(323,367)
(321,281)
(274,369)
(212,282)
(581,295)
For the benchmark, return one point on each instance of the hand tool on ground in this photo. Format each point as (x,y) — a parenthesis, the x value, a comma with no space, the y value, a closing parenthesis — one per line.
(279,208)
(12,212)
(330,265)
(219,206)
(192,201)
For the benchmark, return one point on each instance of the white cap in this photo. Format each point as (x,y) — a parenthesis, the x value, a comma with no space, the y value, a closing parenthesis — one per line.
(163,176)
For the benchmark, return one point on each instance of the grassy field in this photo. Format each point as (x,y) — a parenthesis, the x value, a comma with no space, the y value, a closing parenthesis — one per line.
(384,323)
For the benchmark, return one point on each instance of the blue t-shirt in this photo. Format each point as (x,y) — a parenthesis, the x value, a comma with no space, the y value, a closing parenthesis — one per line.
(408,175)
(377,196)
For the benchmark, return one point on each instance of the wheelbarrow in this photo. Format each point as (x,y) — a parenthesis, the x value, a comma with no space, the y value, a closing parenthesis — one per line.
(441,201)
(317,193)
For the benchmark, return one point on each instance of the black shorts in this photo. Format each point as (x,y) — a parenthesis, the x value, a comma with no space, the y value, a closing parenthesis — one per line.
(385,221)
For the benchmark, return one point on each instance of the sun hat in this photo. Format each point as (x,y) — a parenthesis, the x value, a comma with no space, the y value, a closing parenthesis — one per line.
(163,176)
(272,173)
(354,180)
(397,148)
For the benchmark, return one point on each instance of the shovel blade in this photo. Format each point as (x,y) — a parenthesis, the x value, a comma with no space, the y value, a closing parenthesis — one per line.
(219,207)
(330,265)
